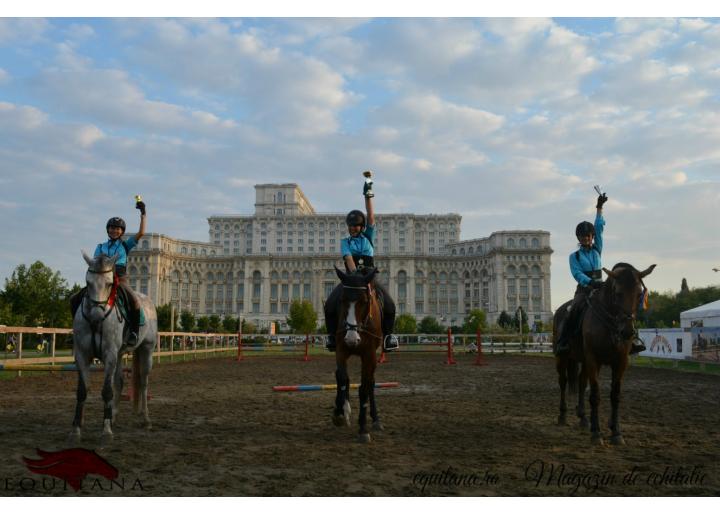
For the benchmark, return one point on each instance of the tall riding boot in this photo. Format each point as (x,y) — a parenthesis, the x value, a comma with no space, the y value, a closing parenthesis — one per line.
(76,300)
(637,344)
(331,345)
(134,321)
(390,340)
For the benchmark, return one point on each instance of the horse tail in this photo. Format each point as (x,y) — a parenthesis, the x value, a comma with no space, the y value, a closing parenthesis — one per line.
(572,375)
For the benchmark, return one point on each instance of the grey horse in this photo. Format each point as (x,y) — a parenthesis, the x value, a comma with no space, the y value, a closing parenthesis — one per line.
(99,332)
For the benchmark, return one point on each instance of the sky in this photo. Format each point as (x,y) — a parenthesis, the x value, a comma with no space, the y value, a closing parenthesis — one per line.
(509,122)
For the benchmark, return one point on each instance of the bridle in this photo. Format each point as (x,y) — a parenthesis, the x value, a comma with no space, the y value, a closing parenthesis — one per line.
(614,322)
(362,327)
(109,302)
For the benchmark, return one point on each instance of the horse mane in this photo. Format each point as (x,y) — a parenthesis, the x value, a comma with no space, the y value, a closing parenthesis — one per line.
(102,262)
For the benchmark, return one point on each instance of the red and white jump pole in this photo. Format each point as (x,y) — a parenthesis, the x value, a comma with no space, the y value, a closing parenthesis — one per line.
(450,357)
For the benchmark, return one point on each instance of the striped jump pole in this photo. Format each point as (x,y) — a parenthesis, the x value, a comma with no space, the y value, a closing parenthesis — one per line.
(479,360)
(47,367)
(327,387)
(450,357)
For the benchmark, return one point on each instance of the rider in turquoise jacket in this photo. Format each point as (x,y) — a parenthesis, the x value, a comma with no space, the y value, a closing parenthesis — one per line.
(115,245)
(586,269)
(358,252)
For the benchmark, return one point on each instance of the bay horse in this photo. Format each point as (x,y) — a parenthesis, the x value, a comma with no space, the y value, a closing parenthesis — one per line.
(607,332)
(100,331)
(359,333)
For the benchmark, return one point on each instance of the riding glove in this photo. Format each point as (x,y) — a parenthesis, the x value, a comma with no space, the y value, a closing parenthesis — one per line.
(140,206)
(367,188)
(601,200)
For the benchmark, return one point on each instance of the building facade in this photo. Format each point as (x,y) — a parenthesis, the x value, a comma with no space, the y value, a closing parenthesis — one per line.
(255,266)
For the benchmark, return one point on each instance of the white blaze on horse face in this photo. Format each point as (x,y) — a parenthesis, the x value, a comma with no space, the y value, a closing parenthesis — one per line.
(352,338)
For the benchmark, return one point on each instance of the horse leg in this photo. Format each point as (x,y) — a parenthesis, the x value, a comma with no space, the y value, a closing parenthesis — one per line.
(580,410)
(377,426)
(562,369)
(341,414)
(81,395)
(617,374)
(366,385)
(110,360)
(118,383)
(141,375)
(596,436)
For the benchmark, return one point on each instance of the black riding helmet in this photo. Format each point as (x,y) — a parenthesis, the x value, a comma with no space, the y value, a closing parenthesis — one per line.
(584,228)
(115,222)
(355,217)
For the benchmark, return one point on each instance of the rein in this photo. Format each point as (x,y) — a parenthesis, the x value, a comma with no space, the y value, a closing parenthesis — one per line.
(362,326)
(611,321)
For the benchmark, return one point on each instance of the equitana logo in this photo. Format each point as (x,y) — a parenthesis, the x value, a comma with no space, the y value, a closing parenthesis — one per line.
(72,466)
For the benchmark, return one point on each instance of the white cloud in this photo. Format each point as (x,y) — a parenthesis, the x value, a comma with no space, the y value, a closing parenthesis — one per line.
(22,31)
(508,122)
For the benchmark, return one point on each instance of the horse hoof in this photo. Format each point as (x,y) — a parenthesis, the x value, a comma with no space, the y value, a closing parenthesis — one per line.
(364,438)
(339,421)
(562,420)
(74,438)
(597,440)
(147,425)
(377,426)
(617,440)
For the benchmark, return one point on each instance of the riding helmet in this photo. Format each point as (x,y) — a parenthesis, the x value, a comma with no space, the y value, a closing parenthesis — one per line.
(355,217)
(116,222)
(584,228)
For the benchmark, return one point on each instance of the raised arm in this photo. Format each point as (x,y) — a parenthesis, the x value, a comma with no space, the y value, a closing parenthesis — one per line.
(140,205)
(368,193)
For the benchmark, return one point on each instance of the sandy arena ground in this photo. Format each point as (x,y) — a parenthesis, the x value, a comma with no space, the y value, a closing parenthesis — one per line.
(219,430)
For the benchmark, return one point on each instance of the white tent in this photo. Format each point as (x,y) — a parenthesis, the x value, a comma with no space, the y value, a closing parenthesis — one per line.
(707,315)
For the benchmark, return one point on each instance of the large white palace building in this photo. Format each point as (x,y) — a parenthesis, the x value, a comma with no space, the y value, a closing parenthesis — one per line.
(254,266)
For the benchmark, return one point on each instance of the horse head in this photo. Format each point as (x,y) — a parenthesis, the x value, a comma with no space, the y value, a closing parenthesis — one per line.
(623,291)
(100,278)
(356,303)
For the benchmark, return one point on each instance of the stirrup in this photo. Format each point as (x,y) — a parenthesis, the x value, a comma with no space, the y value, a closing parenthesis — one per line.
(390,344)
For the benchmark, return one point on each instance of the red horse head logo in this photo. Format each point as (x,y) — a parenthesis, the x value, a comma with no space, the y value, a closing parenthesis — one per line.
(71,465)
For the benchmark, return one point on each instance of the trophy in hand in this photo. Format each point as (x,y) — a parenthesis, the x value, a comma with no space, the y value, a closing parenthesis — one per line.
(367,188)
(602,197)
(139,204)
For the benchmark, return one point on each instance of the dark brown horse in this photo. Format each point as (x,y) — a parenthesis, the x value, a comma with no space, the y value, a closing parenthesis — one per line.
(359,333)
(606,339)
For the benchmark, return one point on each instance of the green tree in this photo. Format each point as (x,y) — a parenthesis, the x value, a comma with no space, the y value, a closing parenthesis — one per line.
(429,325)
(164,313)
(517,320)
(248,327)
(475,320)
(187,321)
(36,296)
(203,324)
(664,308)
(229,324)
(505,320)
(405,324)
(302,318)
(215,324)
